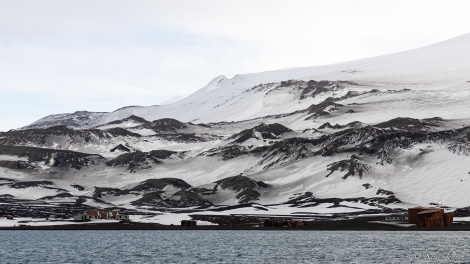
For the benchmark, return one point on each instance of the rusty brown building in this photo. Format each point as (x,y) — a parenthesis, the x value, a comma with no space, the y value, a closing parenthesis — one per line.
(104,215)
(92,214)
(429,217)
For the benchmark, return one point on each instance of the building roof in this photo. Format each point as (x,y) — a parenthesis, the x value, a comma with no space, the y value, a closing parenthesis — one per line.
(91,212)
(430,211)
(424,208)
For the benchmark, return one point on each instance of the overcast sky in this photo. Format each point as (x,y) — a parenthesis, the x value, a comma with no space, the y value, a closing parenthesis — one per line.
(99,55)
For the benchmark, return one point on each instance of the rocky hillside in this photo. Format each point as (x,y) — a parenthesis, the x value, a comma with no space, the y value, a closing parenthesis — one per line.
(375,135)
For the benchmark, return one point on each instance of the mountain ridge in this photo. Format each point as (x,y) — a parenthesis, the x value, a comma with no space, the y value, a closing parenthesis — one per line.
(370,136)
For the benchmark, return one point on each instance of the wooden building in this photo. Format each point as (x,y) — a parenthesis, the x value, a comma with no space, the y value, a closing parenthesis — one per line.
(92,214)
(429,217)
(104,215)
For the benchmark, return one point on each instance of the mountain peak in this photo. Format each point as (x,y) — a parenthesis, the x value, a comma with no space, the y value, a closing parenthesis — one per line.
(214,83)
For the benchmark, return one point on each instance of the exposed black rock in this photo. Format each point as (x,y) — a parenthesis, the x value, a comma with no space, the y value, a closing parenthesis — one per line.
(189,198)
(48,137)
(384,192)
(328,125)
(313,88)
(7,180)
(246,187)
(384,141)
(300,198)
(99,191)
(20,165)
(120,147)
(316,110)
(410,124)
(267,131)
(151,185)
(181,199)
(78,187)
(287,151)
(140,160)
(60,195)
(29,184)
(338,126)
(53,157)
(137,119)
(311,201)
(58,130)
(390,196)
(229,152)
(166,125)
(185,137)
(35,136)
(352,166)
(155,195)
(117,131)
(72,120)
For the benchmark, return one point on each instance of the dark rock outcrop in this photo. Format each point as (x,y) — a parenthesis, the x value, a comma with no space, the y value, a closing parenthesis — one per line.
(166,125)
(245,187)
(267,131)
(352,166)
(53,157)
(120,147)
(158,184)
(140,160)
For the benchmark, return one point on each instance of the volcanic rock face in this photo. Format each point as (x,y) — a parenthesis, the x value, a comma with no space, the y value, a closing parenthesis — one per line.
(262,131)
(49,157)
(166,125)
(365,136)
(140,160)
(245,187)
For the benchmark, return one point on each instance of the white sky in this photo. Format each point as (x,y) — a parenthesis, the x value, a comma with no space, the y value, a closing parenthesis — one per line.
(99,55)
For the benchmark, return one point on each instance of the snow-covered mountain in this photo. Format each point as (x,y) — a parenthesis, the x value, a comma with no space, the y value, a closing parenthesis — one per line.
(371,135)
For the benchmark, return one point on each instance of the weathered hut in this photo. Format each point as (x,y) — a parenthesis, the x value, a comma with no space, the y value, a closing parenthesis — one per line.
(431,218)
(104,215)
(9,217)
(413,214)
(92,214)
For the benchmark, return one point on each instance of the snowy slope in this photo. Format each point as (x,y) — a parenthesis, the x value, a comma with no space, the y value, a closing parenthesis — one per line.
(370,135)
(440,66)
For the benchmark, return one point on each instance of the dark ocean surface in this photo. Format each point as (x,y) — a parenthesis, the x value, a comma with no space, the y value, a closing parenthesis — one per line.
(234,247)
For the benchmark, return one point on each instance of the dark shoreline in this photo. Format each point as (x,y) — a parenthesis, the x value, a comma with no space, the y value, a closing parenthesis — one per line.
(323,225)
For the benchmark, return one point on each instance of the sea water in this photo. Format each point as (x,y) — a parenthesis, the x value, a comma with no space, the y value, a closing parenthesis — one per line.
(28,246)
